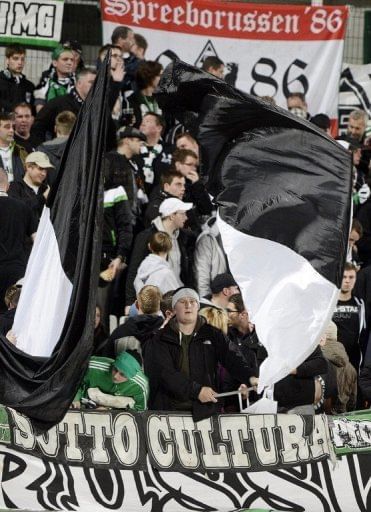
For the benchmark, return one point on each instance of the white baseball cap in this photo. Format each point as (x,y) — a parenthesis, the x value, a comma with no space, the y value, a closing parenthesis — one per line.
(172,205)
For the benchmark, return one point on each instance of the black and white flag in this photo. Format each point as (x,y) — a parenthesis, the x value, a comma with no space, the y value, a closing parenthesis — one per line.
(283,189)
(54,322)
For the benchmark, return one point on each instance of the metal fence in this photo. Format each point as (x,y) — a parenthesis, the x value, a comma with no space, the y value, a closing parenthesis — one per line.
(353,46)
(39,60)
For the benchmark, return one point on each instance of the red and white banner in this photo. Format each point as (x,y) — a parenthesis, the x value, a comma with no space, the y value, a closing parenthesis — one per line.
(269,50)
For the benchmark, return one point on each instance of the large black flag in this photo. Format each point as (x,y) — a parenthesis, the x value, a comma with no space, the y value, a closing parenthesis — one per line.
(283,188)
(54,322)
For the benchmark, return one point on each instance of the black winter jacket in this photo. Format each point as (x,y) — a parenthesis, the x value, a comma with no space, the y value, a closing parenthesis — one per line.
(298,389)
(20,190)
(208,348)
(117,225)
(155,200)
(43,127)
(13,91)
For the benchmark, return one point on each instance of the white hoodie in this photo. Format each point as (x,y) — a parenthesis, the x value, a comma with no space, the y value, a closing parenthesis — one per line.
(156,271)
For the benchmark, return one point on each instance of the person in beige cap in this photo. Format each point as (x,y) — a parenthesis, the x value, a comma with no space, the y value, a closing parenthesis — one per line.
(33,190)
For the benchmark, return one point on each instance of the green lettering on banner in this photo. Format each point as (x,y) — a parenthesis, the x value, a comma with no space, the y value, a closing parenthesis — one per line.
(4,426)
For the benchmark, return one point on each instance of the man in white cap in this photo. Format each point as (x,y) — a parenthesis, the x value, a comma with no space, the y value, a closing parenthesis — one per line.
(173,215)
(33,189)
(181,361)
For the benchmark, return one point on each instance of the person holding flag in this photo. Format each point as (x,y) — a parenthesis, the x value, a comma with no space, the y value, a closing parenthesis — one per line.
(283,190)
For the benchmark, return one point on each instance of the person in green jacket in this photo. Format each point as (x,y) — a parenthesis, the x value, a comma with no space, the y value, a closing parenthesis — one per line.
(107,381)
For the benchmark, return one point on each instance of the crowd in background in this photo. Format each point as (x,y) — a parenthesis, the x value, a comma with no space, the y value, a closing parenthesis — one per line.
(187,335)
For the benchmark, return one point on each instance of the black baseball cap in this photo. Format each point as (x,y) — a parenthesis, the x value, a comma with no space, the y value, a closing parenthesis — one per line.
(222,281)
(130,132)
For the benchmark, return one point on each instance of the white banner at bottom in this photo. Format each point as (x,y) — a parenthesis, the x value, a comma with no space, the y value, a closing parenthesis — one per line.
(33,484)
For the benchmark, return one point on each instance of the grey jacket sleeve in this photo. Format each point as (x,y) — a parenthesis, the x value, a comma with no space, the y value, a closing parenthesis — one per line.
(209,261)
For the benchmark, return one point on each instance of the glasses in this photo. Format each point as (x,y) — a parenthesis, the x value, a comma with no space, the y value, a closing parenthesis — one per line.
(232,310)
(185,302)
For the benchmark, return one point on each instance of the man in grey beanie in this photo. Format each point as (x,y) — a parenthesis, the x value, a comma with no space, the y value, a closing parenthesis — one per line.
(181,361)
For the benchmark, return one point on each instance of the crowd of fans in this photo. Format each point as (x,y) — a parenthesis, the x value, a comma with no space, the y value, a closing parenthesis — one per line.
(187,335)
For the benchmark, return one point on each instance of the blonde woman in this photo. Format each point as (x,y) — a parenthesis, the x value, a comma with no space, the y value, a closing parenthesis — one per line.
(216,317)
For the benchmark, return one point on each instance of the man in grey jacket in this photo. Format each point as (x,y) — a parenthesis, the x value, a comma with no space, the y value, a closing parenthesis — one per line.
(209,259)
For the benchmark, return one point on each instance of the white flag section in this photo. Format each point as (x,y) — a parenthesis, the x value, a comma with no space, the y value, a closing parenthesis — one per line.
(48,290)
(269,50)
(289,302)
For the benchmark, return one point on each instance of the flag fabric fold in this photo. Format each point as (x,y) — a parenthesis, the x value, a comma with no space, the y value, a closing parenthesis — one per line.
(54,322)
(283,190)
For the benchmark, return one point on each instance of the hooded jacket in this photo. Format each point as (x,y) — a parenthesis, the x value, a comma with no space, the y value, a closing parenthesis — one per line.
(181,254)
(99,375)
(156,271)
(140,327)
(208,347)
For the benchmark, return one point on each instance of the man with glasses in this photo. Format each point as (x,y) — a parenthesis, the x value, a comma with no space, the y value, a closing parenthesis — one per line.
(241,331)
(186,163)
(181,361)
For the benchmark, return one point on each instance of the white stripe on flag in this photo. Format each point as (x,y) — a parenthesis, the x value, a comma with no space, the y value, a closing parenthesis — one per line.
(45,296)
(289,302)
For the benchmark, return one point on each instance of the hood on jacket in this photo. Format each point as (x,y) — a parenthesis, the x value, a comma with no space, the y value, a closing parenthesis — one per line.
(151,264)
(127,365)
(138,326)
(157,222)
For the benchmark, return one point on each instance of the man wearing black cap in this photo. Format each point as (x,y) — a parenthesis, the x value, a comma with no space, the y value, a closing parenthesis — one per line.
(222,287)
(117,233)
(121,169)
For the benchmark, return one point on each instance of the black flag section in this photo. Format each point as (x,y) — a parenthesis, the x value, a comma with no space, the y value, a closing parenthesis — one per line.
(283,188)
(266,168)
(42,388)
